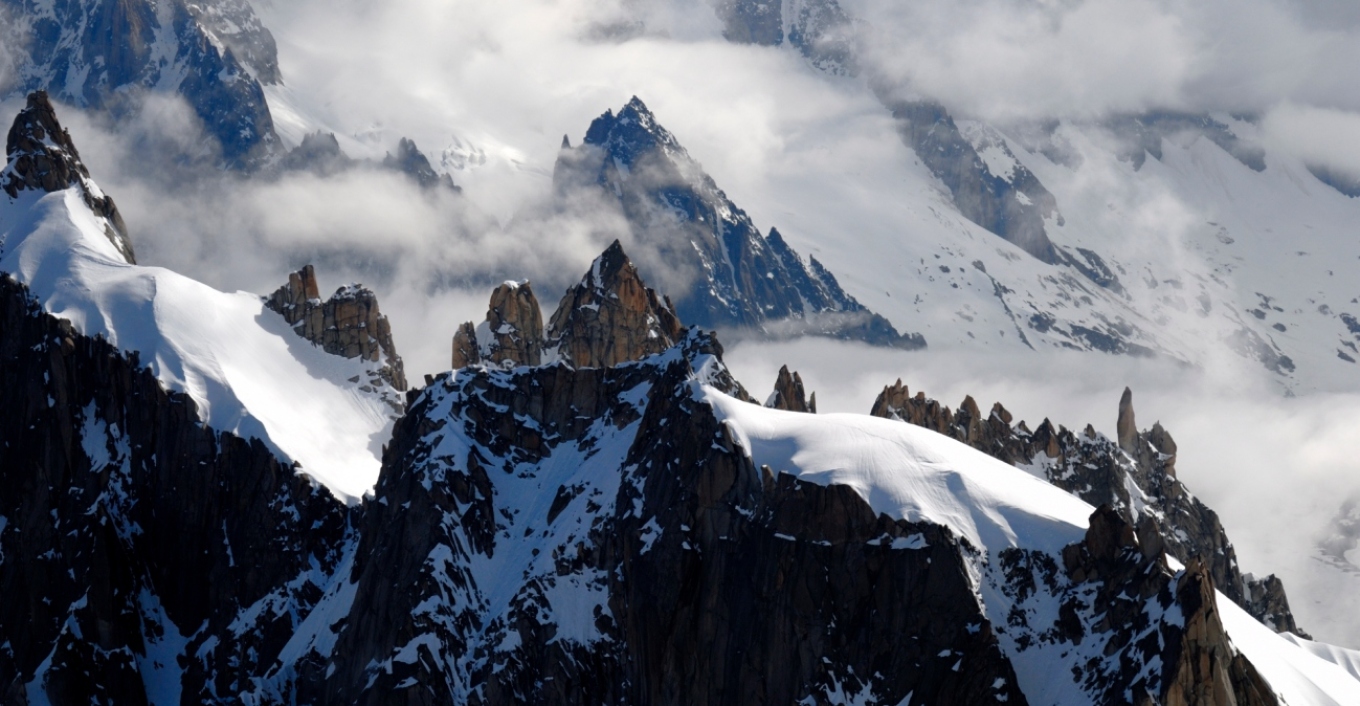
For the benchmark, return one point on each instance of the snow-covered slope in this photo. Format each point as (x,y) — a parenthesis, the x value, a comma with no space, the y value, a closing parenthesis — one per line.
(913,473)
(247,371)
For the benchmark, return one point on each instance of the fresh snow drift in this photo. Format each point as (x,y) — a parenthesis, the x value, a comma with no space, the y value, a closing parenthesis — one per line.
(249,374)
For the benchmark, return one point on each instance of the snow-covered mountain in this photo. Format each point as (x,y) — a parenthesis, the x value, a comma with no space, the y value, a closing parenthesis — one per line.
(108,56)
(245,371)
(620,522)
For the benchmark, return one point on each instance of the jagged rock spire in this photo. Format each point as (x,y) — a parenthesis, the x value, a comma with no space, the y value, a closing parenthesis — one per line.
(789,393)
(611,316)
(42,157)
(349,324)
(1126,429)
(516,324)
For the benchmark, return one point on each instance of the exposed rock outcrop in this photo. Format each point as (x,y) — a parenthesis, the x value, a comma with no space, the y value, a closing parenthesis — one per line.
(135,540)
(515,325)
(789,394)
(106,56)
(1134,588)
(1138,470)
(726,273)
(41,157)
(611,317)
(1012,206)
(412,162)
(706,580)
(465,349)
(348,324)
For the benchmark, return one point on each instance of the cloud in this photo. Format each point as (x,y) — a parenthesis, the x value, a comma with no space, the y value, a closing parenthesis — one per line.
(1015,59)
(1317,136)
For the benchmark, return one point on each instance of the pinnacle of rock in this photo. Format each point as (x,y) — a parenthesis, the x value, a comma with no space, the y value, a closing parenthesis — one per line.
(789,394)
(349,324)
(465,350)
(611,316)
(42,157)
(1127,429)
(516,325)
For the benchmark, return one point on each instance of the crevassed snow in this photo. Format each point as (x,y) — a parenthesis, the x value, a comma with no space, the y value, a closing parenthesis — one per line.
(918,475)
(246,370)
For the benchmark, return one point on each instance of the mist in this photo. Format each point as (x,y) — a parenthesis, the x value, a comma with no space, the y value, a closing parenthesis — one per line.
(488,90)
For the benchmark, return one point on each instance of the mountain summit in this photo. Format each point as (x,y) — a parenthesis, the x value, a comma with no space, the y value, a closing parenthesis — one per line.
(43,158)
(737,277)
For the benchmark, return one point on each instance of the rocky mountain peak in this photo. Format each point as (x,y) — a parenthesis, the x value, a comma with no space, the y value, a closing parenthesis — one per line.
(630,134)
(411,161)
(349,324)
(789,393)
(515,324)
(611,316)
(42,157)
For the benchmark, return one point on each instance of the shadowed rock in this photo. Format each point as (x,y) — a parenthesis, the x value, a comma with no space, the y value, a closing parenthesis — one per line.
(42,157)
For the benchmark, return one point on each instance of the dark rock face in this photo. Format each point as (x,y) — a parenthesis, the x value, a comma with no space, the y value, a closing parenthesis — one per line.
(41,157)
(348,324)
(140,549)
(1142,135)
(319,154)
(706,580)
(611,317)
(1119,599)
(412,162)
(101,54)
(1100,471)
(789,395)
(739,278)
(1013,208)
(819,29)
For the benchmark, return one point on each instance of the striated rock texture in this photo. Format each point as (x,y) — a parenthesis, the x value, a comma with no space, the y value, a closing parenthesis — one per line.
(104,55)
(515,326)
(1136,471)
(733,276)
(348,324)
(611,317)
(789,395)
(41,157)
(140,550)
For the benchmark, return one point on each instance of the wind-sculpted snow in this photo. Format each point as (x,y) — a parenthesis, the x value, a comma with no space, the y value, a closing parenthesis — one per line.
(247,372)
(911,473)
